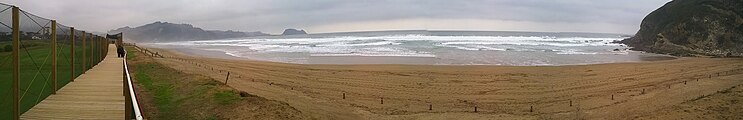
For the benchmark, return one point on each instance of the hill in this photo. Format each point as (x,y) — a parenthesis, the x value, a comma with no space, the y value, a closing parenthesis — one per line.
(293,32)
(692,28)
(168,32)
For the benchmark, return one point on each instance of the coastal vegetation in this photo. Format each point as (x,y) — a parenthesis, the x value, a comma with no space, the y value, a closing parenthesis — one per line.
(171,94)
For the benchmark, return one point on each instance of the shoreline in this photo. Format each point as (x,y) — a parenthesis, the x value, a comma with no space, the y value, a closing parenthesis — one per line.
(408,91)
(375,60)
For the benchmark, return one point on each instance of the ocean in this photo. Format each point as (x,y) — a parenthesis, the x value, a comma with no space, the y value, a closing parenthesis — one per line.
(428,48)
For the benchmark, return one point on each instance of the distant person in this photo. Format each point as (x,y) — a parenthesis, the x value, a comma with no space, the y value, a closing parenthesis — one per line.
(120,51)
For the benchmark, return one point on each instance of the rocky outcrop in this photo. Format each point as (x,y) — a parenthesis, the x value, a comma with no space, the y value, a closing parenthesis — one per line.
(692,28)
(167,32)
(293,32)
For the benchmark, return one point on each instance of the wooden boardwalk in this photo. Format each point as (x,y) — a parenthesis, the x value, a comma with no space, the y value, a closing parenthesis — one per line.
(96,94)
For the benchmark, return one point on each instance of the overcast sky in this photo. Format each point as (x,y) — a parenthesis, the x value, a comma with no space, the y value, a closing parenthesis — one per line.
(320,16)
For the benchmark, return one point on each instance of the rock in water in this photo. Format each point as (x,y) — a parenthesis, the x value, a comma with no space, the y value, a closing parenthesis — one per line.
(692,27)
(293,32)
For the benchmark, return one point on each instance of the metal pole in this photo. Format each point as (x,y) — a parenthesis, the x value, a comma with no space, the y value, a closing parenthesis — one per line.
(16,63)
(72,53)
(54,56)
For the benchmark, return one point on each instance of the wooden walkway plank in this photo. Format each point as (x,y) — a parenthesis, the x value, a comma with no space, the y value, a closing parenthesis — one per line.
(97,94)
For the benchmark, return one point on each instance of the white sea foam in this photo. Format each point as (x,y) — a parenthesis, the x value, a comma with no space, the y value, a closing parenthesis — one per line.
(402,45)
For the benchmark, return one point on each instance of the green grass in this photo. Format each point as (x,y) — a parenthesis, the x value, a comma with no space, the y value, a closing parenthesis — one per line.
(130,53)
(35,82)
(162,91)
(226,97)
(177,95)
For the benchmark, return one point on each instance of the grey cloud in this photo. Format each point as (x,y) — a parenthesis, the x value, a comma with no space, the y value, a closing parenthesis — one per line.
(275,15)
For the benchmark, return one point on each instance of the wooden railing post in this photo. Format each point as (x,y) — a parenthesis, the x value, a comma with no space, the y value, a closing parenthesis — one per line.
(54,56)
(90,51)
(84,48)
(72,53)
(16,63)
(100,49)
(98,40)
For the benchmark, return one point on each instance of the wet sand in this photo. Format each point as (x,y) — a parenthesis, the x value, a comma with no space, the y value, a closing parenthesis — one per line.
(598,91)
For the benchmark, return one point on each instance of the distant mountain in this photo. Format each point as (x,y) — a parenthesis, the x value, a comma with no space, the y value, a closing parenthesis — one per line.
(168,32)
(692,27)
(293,32)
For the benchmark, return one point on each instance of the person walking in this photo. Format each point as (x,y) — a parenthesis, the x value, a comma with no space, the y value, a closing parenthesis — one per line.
(120,51)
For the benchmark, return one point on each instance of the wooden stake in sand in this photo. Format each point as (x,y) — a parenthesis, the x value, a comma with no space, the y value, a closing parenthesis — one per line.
(612,97)
(344,95)
(571,103)
(475,108)
(228,78)
(381,100)
(430,107)
(531,108)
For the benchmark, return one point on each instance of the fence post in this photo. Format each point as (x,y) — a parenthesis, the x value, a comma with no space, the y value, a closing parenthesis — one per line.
(228,78)
(16,64)
(98,51)
(84,47)
(103,45)
(54,56)
(531,108)
(72,53)
(90,51)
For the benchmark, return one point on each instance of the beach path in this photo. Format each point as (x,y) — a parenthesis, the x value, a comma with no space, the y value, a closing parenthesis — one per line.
(96,94)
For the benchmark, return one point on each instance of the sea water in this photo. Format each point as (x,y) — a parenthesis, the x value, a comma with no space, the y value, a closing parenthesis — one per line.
(428,47)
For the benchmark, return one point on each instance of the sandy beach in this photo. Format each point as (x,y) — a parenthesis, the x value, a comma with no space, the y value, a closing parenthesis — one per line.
(598,91)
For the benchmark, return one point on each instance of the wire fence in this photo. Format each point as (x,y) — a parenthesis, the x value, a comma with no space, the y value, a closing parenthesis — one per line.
(38,57)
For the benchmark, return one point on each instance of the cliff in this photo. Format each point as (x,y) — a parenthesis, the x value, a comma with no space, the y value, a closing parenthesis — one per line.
(692,28)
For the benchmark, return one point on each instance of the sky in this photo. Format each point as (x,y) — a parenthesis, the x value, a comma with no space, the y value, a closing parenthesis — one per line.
(323,16)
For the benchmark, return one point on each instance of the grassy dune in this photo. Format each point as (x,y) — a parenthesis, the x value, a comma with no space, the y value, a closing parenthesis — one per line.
(170,94)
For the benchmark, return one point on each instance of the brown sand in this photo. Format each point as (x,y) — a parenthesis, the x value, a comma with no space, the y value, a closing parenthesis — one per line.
(601,91)
(723,105)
